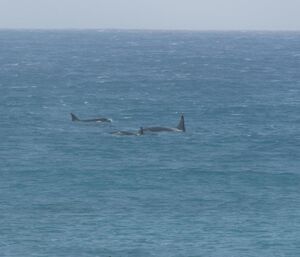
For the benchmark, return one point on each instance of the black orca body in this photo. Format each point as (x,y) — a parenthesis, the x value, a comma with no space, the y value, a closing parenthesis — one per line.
(180,127)
(75,118)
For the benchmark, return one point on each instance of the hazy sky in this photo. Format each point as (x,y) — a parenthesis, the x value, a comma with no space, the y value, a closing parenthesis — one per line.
(152,14)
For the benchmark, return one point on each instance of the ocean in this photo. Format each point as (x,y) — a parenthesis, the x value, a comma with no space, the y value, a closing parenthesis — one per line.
(227,187)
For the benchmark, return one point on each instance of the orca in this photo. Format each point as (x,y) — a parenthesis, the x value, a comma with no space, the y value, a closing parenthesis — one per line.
(75,118)
(180,127)
(129,133)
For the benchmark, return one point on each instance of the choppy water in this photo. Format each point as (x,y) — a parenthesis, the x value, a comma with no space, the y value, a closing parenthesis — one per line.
(229,186)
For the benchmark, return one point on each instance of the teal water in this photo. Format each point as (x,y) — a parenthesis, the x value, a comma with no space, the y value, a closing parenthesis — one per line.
(229,186)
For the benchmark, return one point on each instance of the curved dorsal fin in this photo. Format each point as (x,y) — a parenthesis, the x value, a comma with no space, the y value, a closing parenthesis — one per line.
(74,117)
(141,131)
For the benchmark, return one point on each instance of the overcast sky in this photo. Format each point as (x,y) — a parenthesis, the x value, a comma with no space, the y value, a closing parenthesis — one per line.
(152,14)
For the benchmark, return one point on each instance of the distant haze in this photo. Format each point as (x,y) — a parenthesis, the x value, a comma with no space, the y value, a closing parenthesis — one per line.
(152,14)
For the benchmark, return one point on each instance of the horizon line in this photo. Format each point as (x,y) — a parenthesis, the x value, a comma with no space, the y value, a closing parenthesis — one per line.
(148,29)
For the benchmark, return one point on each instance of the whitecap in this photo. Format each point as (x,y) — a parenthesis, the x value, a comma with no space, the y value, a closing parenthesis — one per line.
(18,87)
(12,64)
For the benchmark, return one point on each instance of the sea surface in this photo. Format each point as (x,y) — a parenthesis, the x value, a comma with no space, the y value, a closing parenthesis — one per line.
(228,187)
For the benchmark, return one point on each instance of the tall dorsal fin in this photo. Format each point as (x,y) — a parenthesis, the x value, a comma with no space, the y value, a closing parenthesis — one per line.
(181,125)
(74,117)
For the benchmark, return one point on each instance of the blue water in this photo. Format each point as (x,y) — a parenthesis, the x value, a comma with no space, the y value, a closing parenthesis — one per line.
(228,187)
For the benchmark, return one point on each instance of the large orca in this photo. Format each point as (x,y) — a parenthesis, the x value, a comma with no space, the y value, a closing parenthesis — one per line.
(75,118)
(180,127)
(128,133)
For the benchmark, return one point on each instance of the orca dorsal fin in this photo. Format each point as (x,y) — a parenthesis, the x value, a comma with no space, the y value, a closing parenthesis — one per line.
(141,131)
(181,125)
(74,117)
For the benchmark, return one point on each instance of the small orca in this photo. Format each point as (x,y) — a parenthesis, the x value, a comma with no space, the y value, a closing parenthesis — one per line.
(180,127)
(75,118)
(129,133)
